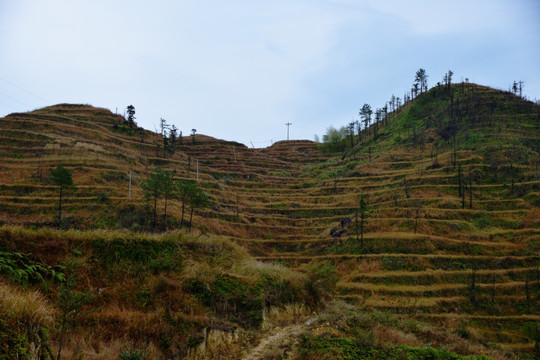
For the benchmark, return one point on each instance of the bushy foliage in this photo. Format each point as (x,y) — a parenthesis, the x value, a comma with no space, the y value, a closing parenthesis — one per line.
(363,347)
(138,255)
(24,321)
(21,269)
(242,302)
(335,139)
(322,280)
(130,352)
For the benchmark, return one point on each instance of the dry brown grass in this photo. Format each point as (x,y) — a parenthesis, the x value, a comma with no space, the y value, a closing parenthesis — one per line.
(29,307)
(281,198)
(284,316)
(385,334)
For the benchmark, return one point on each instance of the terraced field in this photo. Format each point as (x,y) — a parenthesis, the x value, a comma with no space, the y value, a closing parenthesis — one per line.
(451,233)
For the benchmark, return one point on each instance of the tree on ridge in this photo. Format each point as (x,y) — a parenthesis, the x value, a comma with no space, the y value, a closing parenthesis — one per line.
(365,114)
(421,79)
(131,116)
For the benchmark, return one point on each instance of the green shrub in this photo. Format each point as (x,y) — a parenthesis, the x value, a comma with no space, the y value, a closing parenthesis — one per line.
(228,297)
(429,353)
(276,292)
(322,280)
(23,270)
(336,347)
(132,353)
(24,320)
(138,254)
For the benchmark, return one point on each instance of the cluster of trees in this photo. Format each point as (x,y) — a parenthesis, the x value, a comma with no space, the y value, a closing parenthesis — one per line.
(420,80)
(172,137)
(517,88)
(366,126)
(161,185)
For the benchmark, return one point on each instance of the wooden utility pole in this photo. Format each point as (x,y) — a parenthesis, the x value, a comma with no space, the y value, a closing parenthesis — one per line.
(288,124)
(197,160)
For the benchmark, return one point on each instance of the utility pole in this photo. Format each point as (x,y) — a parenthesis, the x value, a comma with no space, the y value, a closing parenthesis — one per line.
(129,194)
(288,124)
(197,160)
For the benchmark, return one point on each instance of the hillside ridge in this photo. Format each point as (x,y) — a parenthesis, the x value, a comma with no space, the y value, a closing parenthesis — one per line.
(432,213)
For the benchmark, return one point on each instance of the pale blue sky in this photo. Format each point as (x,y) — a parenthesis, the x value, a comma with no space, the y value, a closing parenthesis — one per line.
(240,69)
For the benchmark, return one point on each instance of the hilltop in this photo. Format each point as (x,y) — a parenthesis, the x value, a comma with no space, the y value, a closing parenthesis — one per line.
(451,230)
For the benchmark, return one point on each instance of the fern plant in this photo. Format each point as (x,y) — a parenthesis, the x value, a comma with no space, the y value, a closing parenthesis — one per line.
(21,269)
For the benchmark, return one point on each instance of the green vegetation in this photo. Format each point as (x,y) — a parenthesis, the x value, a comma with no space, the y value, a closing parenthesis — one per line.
(157,279)
(362,347)
(22,270)
(71,301)
(132,353)
(162,185)
(61,177)
(347,333)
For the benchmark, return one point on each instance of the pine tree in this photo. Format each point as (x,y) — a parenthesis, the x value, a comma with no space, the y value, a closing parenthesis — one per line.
(197,199)
(421,79)
(363,211)
(154,188)
(350,128)
(183,190)
(169,192)
(365,114)
(173,138)
(62,177)
(131,116)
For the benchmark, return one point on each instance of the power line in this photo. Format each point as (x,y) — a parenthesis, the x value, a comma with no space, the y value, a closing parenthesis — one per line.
(12,98)
(26,91)
(1,102)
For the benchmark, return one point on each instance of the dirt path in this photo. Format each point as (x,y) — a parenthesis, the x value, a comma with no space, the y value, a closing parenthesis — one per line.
(277,343)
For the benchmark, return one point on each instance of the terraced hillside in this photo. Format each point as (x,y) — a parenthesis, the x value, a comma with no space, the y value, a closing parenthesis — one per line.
(451,182)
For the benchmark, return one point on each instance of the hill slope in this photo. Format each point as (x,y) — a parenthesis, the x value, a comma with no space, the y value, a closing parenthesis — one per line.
(451,181)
